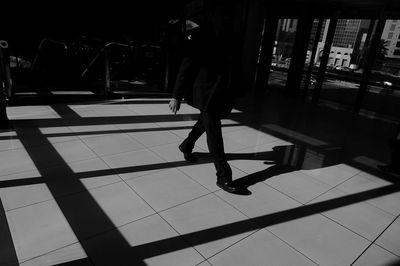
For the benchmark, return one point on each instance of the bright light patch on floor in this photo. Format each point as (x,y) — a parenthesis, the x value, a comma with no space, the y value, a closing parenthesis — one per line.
(294,134)
(72,93)
(26,93)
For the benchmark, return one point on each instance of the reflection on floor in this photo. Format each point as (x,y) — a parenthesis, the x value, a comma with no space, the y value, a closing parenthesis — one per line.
(103,183)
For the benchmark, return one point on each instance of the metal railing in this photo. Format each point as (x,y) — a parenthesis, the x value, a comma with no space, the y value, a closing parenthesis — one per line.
(104,51)
(104,54)
(40,48)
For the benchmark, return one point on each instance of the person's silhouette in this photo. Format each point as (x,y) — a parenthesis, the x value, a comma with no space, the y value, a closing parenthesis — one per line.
(204,80)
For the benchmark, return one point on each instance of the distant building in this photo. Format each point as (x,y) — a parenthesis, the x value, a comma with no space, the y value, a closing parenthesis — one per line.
(349,39)
(391,34)
(285,35)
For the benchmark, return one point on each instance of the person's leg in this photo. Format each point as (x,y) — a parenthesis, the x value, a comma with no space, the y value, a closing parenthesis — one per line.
(188,144)
(212,124)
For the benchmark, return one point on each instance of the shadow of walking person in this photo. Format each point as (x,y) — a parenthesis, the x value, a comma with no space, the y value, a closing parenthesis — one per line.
(280,160)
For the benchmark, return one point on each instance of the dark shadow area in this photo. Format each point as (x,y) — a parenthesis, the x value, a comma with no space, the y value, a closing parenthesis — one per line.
(8,256)
(318,127)
(394,263)
(80,262)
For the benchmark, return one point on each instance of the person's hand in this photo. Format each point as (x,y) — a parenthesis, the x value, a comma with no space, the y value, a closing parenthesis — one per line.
(174,105)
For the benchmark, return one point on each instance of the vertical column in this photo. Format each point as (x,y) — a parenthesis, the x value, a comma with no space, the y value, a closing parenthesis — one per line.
(5,83)
(324,59)
(312,58)
(107,78)
(265,55)
(298,56)
(371,56)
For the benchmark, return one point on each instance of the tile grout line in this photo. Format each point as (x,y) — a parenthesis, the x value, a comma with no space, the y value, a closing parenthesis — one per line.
(261,228)
(376,238)
(158,213)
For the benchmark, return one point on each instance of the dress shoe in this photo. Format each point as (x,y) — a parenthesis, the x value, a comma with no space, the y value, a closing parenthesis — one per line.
(227,186)
(189,156)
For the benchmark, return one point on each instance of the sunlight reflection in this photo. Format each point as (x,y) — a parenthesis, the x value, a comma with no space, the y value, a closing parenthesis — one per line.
(31,112)
(72,93)
(295,134)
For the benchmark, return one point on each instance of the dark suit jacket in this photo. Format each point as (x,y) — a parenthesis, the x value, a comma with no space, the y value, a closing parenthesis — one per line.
(205,76)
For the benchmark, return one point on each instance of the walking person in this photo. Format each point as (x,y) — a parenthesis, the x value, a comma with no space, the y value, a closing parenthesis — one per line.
(205,81)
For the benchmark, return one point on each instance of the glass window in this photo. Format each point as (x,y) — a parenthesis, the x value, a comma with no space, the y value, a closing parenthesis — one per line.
(282,51)
(390,35)
(393,27)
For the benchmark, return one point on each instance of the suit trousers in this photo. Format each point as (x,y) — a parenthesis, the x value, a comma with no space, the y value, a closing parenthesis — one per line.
(210,122)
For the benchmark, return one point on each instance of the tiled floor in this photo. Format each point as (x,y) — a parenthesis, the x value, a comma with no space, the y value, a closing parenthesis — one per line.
(103,183)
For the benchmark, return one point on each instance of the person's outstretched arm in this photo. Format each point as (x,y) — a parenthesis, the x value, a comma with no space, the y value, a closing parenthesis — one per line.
(184,75)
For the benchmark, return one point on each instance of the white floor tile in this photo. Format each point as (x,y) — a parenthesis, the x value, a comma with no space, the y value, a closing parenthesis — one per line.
(171,152)
(166,188)
(39,229)
(377,256)
(204,263)
(332,175)
(112,144)
(176,125)
(73,151)
(360,217)
(298,186)
(154,138)
(390,239)
(31,112)
(206,224)
(257,158)
(9,141)
(261,248)
(94,173)
(264,200)
(111,110)
(364,182)
(85,131)
(152,232)
(136,163)
(205,174)
(321,239)
(137,127)
(150,109)
(182,133)
(15,161)
(230,144)
(66,254)
(22,195)
(58,134)
(250,137)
